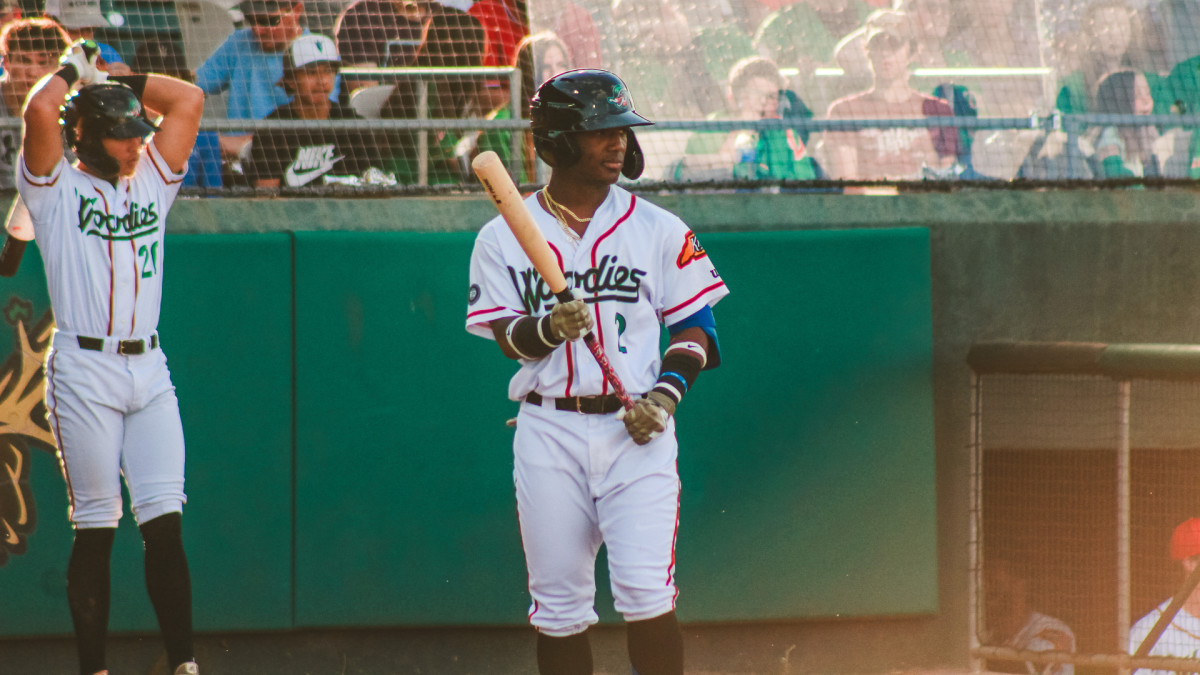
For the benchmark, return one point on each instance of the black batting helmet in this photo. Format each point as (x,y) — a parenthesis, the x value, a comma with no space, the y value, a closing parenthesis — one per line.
(583,100)
(108,110)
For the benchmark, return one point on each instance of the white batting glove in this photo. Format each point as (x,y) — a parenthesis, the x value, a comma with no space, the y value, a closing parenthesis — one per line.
(82,55)
(647,419)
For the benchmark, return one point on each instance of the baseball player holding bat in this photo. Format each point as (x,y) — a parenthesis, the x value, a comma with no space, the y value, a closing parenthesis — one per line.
(99,224)
(587,469)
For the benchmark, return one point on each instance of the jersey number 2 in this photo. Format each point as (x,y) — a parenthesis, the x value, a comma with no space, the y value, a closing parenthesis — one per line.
(620,332)
(149,256)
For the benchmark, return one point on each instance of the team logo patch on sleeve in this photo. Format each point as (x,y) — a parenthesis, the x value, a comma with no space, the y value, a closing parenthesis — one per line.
(473,294)
(692,251)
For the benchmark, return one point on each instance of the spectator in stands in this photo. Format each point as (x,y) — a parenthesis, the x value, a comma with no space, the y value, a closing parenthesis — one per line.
(249,63)
(937,34)
(453,39)
(1182,636)
(897,153)
(1010,621)
(576,27)
(81,18)
(539,57)
(30,49)
(379,33)
(504,24)
(850,53)
(298,157)
(165,58)
(756,91)
(659,60)
(1108,29)
(1124,150)
(804,35)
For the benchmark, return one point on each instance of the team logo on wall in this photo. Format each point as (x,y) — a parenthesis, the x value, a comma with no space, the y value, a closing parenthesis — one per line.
(23,424)
(692,250)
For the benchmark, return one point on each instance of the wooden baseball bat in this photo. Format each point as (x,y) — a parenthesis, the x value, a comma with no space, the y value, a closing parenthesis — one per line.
(503,191)
(20,231)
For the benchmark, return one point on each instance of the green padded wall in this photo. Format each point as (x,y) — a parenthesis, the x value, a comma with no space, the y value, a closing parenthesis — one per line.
(404,504)
(349,465)
(807,459)
(226,329)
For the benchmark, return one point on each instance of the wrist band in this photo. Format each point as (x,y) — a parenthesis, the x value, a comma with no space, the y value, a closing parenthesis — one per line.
(531,337)
(135,82)
(680,367)
(69,74)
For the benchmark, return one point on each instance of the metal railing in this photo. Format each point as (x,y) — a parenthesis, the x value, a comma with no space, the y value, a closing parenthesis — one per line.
(1073,126)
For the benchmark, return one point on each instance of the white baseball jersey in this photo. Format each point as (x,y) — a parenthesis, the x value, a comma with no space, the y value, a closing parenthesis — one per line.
(1181,638)
(112,415)
(102,244)
(580,479)
(637,265)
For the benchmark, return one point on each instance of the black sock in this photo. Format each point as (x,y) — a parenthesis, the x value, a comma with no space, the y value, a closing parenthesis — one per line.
(656,645)
(88,594)
(570,655)
(169,585)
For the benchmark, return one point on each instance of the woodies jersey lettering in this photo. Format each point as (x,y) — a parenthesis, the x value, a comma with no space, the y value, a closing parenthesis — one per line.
(105,272)
(604,282)
(628,268)
(139,221)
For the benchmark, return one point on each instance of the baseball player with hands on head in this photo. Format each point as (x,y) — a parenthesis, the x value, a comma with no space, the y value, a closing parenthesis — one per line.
(587,470)
(109,399)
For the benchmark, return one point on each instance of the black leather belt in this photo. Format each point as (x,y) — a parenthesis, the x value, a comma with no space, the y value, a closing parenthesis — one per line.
(588,405)
(124,347)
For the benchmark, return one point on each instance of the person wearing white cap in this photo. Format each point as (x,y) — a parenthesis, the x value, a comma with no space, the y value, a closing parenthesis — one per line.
(81,18)
(294,158)
(1182,637)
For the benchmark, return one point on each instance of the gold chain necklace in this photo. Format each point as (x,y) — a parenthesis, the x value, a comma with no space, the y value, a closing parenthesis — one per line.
(557,211)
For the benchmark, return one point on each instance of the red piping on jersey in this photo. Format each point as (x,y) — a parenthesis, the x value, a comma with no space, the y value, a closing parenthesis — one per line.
(692,299)
(561,265)
(166,176)
(50,371)
(36,180)
(481,312)
(136,276)
(674,539)
(596,306)
(112,273)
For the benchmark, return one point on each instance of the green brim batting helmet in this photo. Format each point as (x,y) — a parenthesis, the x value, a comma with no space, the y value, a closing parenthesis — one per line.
(583,100)
(99,111)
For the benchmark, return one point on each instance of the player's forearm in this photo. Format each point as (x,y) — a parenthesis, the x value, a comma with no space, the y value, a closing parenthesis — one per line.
(42,142)
(171,96)
(44,100)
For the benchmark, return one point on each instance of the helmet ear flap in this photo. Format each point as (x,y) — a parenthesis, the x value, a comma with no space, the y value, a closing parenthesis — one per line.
(635,160)
(556,149)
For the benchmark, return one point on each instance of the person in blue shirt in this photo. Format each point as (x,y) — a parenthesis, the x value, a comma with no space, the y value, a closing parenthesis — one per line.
(249,63)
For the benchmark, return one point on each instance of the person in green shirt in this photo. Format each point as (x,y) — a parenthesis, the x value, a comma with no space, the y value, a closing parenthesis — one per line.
(756,91)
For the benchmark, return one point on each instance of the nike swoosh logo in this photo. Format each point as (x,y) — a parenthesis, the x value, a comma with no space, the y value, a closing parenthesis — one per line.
(295,178)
